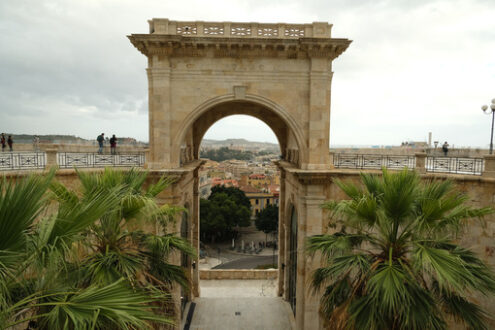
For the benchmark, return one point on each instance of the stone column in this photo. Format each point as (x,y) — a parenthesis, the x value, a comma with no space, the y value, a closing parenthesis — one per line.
(420,162)
(159,113)
(489,170)
(319,114)
(310,223)
(51,158)
(170,196)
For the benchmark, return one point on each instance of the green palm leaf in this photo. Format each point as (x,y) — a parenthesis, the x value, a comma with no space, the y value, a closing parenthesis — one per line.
(393,262)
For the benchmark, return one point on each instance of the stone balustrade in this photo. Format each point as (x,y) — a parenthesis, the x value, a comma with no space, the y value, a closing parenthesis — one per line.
(238,274)
(13,161)
(241,30)
(421,162)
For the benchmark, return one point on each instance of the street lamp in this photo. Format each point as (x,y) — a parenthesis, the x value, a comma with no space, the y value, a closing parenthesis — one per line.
(488,111)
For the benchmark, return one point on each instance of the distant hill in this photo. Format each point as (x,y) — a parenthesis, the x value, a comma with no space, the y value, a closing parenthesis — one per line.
(240,144)
(65,139)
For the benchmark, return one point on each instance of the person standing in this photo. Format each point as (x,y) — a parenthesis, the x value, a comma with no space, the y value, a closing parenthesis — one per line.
(10,142)
(445,148)
(113,144)
(36,143)
(3,142)
(100,140)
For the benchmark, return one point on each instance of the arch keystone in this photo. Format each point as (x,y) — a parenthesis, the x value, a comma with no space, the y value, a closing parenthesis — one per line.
(240,92)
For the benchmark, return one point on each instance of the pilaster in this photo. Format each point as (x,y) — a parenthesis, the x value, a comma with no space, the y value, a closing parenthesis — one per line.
(310,223)
(159,113)
(319,114)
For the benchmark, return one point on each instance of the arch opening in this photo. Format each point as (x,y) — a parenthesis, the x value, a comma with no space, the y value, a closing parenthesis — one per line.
(285,128)
(249,247)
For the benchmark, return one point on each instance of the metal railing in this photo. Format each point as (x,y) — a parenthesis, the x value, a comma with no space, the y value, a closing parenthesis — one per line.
(373,161)
(455,165)
(22,160)
(88,159)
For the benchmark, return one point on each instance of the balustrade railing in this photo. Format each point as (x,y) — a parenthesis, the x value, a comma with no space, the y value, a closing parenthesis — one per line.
(22,160)
(84,159)
(455,165)
(240,30)
(373,161)
(38,160)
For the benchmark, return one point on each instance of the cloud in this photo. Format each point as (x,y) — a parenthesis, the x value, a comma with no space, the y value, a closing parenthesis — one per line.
(413,67)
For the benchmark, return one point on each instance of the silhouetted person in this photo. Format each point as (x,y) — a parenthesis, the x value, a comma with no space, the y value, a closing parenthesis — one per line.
(3,142)
(100,140)
(113,144)
(445,148)
(10,142)
(36,143)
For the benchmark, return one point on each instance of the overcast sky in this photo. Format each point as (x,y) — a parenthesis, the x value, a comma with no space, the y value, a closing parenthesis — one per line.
(67,67)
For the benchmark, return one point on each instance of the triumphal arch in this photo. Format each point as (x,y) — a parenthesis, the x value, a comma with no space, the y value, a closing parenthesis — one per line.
(200,72)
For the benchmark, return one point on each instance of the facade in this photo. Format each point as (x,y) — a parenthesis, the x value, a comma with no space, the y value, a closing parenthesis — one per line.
(258,180)
(259,199)
(201,72)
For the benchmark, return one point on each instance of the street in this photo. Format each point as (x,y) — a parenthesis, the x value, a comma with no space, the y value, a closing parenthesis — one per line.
(247,262)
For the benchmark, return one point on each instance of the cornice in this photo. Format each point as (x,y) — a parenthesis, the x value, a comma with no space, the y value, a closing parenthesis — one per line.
(177,46)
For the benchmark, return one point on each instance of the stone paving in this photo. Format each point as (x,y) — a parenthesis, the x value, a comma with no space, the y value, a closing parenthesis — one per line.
(241,305)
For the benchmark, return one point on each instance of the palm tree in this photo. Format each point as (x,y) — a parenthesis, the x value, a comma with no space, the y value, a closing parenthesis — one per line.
(73,268)
(122,243)
(394,262)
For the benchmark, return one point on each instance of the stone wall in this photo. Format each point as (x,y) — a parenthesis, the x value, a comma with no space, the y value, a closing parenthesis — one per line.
(305,191)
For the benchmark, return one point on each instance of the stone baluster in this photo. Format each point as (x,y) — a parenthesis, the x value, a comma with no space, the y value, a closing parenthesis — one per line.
(146,157)
(51,158)
(420,162)
(330,159)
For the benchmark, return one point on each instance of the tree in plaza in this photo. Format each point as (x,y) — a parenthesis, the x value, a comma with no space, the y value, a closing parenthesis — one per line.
(236,194)
(225,209)
(89,263)
(394,262)
(267,219)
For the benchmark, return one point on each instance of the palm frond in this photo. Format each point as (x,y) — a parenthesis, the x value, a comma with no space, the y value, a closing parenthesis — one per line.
(163,183)
(388,287)
(340,267)
(165,244)
(334,244)
(71,221)
(106,267)
(444,266)
(335,295)
(464,311)
(20,203)
(98,307)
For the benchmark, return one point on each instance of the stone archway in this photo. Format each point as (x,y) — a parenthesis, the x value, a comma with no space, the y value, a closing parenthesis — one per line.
(200,72)
(287,131)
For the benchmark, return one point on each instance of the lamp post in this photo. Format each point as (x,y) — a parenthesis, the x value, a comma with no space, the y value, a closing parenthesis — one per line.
(488,111)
